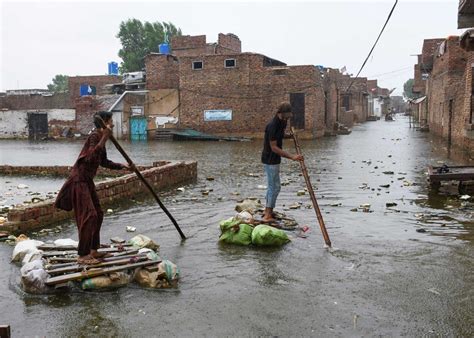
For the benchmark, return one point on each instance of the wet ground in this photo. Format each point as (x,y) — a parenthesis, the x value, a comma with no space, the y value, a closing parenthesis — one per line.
(381,277)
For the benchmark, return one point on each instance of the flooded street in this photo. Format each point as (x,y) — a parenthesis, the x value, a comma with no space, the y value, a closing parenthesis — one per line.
(382,276)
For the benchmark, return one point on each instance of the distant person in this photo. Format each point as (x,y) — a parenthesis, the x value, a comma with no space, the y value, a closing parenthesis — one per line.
(79,192)
(271,157)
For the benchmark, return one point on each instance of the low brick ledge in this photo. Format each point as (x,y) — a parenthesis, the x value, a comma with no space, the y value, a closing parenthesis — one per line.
(63,171)
(161,177)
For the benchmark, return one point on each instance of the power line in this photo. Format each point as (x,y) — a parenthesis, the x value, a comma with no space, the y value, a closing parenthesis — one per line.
(371,50)
(393,71)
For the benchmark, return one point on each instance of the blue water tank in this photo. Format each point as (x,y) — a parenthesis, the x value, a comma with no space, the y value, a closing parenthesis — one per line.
(84,90)
(113,68)
(164,48)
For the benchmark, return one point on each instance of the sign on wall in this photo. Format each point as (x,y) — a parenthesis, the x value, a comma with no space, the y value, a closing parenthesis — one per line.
(218,115)
(136,110)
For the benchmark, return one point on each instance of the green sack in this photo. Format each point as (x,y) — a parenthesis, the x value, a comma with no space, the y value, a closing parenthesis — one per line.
(268,236)
(235,233)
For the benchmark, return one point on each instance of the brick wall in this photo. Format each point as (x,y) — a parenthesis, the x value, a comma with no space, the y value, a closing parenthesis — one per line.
(196,45)
(62,171)
(35,101)
(162,72)
(250,90)
(446,91)
(161,177)
(86,107)
(230,41)
(98,81)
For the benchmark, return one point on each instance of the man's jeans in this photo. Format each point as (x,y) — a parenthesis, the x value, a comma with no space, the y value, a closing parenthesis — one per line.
(273,183)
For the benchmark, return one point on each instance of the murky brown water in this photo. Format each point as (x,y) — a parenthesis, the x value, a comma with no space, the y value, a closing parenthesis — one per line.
(381,278)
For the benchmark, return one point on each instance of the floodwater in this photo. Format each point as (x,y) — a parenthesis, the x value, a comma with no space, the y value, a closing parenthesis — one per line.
(381,277)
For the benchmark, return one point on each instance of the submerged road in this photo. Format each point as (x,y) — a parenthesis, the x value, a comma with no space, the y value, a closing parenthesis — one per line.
(381,277)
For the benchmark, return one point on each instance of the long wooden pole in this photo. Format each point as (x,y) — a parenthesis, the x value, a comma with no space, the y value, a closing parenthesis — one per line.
(311,191)
(140,176)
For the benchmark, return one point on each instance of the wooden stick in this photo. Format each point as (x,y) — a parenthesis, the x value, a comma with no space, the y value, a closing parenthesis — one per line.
(79,267)
(310,190)
(94,273)
(72,261)
(140,176)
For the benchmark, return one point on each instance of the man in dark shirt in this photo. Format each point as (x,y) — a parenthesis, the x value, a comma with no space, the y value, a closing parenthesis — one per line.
(272,154)
(79,192)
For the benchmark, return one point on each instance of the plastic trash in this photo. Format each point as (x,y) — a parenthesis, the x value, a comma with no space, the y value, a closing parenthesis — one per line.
(245,217)
(142,241)
(23,248)
(249,205)
(33,277)
(32,256)
(165,275)
(235,232)
(266,235)
(112,281)
(66,242)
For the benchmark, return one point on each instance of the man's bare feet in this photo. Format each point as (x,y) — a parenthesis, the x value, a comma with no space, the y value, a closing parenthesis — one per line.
(87,260)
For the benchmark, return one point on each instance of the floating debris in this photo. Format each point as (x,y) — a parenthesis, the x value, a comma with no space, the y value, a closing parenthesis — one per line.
(388,172)
(464,197)
(384,186)
(180,189)
(301,193)
(130,229)
(261,187)
(109,211)
(390,204)
(22,186)
(420,230)
(207,178)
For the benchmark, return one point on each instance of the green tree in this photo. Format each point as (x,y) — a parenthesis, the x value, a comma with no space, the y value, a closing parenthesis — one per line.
(408,89)
(139,39)
(60,84)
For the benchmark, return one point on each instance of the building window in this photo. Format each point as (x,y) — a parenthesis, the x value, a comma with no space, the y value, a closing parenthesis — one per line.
(197,65)
(346,101)
(230,63)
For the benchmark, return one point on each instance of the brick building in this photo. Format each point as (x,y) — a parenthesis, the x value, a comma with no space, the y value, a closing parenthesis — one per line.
(96,82)
(187,45)
(245,89)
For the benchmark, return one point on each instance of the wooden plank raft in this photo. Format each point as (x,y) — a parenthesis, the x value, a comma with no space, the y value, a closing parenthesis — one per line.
(96,272)
(52,247)
(455,173)
(72,261)
(72,253)
(79,267)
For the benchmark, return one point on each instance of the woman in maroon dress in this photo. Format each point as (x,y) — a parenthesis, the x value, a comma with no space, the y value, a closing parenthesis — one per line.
(79,192)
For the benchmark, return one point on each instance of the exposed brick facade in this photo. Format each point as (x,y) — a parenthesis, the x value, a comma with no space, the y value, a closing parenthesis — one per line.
(162,72)
(97,81)
(251,90)
(187,45)
(36,101)
(445,89)
(161,177)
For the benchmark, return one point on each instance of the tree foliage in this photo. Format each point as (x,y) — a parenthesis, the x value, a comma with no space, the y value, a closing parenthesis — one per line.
(139,39)
(408,89)
(60,84)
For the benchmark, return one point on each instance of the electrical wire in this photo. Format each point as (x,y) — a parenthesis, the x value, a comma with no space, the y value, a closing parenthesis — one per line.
(372,49)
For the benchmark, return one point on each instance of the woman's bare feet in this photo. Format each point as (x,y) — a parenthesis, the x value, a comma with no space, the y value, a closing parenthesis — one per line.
(99,255)
(87,260)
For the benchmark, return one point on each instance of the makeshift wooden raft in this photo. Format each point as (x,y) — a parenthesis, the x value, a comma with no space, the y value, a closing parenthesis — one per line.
(463,174)
(62,273)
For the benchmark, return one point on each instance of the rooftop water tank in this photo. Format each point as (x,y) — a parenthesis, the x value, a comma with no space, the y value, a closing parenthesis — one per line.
(113,68)
(164,48)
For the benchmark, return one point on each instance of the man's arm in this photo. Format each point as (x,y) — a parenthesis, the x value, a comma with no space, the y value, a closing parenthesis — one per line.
(277,150)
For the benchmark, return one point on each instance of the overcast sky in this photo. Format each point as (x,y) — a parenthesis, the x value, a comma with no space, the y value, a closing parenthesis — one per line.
(42,39)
